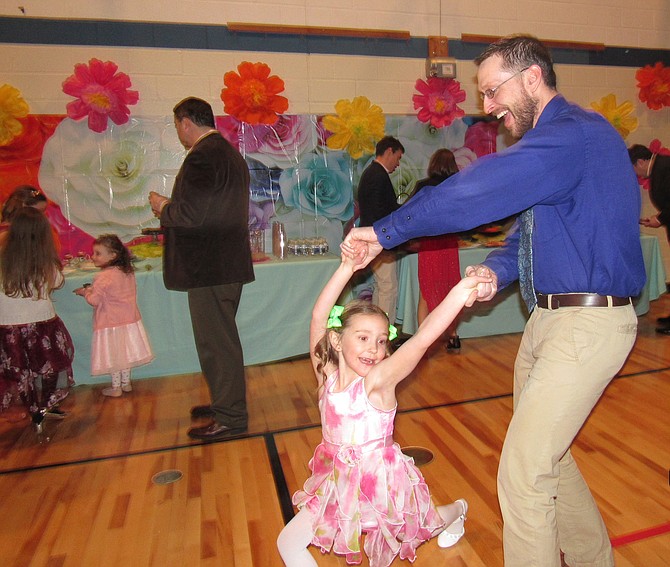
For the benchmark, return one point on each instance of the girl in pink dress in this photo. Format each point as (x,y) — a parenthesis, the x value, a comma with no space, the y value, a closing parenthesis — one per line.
(119,339)
(361,482)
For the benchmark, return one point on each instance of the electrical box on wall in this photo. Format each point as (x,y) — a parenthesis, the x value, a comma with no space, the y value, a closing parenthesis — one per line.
(441,67)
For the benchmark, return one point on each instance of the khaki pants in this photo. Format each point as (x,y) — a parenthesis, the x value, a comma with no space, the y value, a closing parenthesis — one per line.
(385,294)
(566,359)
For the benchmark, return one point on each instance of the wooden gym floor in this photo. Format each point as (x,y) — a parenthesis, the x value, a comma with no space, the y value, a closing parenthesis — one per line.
(86,496)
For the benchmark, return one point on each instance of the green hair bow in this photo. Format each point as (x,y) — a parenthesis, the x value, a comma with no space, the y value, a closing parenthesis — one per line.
(334,321)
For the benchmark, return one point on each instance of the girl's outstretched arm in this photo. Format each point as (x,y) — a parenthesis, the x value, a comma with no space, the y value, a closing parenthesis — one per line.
(399,365)
(329,296)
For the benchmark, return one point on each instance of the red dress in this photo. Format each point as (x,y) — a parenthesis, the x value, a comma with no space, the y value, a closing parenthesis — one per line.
(439,266)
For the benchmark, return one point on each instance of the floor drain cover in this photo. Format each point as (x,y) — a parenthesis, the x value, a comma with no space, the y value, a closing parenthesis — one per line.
(166,477)
(421,455)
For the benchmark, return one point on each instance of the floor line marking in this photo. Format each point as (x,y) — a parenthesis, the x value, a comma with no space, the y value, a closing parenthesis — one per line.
(646,533)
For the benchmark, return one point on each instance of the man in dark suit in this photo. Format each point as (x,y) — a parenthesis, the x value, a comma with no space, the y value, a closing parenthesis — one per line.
(657,168)
(207,254)
(376,199)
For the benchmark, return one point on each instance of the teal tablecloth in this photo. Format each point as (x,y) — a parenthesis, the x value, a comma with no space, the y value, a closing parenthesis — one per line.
(506,313)
(273,317)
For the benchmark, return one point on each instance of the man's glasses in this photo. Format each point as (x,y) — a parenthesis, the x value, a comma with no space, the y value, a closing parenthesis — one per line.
(490,93)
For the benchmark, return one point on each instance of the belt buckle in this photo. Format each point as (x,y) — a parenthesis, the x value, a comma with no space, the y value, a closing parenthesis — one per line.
(550,302)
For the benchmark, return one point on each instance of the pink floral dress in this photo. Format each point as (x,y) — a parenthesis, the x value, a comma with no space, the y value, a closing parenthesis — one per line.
(362,482)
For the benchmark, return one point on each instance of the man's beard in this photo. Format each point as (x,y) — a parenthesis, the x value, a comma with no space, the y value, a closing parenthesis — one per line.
(524,115)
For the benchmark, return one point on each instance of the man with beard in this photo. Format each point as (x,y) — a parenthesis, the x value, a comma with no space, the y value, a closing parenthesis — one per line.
(576,252)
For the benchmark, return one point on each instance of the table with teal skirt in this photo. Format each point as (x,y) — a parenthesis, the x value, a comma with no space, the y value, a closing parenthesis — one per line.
(506,313)
(273,316)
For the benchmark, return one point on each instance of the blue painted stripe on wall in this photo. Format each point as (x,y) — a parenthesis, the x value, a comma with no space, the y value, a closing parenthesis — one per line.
(113,33)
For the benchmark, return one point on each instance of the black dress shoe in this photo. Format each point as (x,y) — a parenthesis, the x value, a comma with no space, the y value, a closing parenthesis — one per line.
(55,413)
(663,320)
(454,344)
(202,411)
(663,330)
(215,431)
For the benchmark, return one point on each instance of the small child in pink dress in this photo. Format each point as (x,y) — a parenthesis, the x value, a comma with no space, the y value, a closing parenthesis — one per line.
(361,481)
(119,339)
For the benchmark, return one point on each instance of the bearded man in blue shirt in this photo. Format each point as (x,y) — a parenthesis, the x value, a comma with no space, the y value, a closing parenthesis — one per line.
(576,252)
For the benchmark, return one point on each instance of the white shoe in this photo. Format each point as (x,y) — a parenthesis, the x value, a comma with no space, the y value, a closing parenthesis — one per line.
(126,387)
(454,531)
(112,392)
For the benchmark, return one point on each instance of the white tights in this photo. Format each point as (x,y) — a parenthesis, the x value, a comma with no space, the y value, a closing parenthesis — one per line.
(120,378)
(294,540)
(296,536)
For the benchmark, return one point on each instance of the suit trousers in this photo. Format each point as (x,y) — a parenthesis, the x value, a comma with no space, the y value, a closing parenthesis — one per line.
(217,342)
(566,359)
(385,294)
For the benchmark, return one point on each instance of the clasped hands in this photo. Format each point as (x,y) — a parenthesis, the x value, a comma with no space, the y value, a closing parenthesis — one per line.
(362,245)
(157,202)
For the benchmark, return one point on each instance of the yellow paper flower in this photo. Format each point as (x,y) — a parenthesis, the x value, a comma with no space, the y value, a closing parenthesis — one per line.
(618,116)
(356,128)
(12,107)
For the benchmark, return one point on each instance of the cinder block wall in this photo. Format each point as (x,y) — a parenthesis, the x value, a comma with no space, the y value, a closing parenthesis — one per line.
(314,82)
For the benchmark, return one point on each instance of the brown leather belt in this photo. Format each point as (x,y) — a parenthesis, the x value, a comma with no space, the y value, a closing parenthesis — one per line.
(554,301)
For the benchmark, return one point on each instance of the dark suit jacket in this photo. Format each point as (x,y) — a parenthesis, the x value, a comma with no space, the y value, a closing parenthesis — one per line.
(376,197)
(660,190)
(205,224)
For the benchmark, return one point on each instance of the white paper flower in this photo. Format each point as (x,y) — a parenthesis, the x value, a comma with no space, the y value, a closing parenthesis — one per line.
(102,181)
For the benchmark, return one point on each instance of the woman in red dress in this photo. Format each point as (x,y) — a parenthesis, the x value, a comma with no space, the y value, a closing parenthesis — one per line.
(439,268)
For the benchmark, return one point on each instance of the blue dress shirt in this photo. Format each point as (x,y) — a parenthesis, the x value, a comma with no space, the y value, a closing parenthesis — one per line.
(573,169)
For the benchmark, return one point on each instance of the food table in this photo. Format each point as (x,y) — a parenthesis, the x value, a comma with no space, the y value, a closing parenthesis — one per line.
(506,313)
(273,317)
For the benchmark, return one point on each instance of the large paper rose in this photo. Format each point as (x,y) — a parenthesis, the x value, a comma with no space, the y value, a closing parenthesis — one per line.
(102,182)
(12,108)
(481,137)
(252,96)
(20,160)
(428,138)
(101,93)
(283,143)
(321,185)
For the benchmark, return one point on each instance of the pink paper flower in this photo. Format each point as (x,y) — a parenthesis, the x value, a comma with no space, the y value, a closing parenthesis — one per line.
(438,101)
(101,93)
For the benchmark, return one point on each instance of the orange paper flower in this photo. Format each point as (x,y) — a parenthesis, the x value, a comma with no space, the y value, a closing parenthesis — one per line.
(101,93)
(654,85)
(252,95)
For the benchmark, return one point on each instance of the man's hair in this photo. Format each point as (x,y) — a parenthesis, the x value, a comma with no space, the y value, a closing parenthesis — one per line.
(388,142)
(520,52)
(196,110)
(638,151)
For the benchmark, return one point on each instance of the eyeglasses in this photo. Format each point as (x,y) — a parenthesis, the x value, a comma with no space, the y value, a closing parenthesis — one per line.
(490,93)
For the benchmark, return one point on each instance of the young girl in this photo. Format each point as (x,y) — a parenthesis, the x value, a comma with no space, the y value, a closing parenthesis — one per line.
(361,481)
(119,339)
(36,350)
